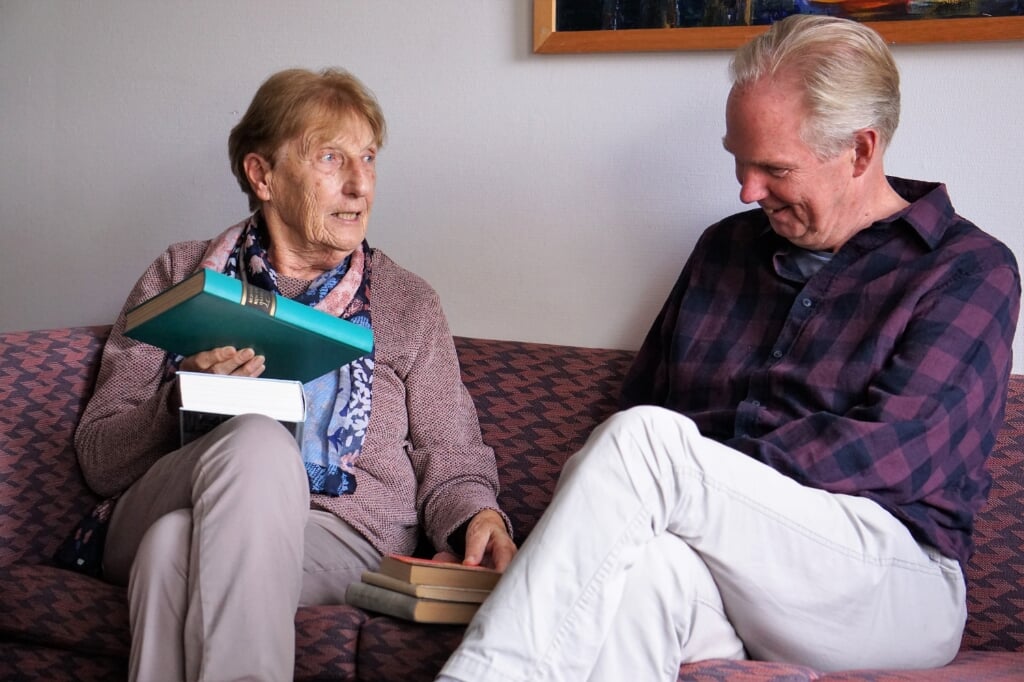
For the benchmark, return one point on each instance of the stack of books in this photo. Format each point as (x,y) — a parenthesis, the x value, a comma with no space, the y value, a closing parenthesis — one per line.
(423,590)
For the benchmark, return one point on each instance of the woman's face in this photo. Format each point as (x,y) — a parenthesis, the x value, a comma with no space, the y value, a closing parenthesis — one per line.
(317,195)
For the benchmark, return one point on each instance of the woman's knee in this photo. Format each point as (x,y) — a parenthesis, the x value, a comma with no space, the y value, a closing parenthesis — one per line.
(164,550)
(258,433)
(251,448)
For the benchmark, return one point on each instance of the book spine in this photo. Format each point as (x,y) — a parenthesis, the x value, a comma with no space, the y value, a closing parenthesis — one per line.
(289,311)
(321,323)
(261,299)
(373,598)
(378,599)
(438,592)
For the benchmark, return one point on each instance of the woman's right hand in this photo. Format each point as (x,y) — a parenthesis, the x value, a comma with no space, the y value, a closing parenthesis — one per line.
(225,360)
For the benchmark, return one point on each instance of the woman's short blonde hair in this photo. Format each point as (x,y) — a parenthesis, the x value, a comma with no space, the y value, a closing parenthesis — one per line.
(848,75)
(297,102)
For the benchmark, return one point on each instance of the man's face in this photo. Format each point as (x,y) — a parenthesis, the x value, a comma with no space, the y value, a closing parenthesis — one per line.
(810,202)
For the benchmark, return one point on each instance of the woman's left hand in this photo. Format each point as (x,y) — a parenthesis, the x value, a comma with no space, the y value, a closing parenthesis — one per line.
(225,360)
(487,542)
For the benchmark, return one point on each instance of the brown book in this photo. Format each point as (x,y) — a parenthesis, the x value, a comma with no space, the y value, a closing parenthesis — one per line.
(407,607)
(444,573)
(442,592)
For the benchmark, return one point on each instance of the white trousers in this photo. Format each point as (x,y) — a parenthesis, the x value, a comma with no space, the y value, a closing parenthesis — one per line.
(662,547)
(219,547)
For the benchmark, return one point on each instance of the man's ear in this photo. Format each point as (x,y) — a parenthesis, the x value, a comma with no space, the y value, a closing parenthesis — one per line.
(258,171)
(866,145)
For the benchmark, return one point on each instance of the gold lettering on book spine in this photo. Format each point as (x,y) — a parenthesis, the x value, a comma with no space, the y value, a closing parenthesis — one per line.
(255,297)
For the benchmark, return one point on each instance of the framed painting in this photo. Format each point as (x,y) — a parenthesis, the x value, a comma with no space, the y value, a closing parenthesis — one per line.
(561,26)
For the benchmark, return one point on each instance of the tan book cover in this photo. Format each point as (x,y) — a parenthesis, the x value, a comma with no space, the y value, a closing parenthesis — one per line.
(442,592)
(407,607)
(432,572)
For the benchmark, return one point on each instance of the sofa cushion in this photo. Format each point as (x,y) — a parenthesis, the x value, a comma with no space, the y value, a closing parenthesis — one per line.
(995,574)
(44,378)
(391,649)
(63,609)
(326,640)
(976,666)
(717,670)
(20,662)
(537,405)
(80,616)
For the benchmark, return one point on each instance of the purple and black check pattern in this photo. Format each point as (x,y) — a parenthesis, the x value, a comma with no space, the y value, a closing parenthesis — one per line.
(878,376)
(537,404)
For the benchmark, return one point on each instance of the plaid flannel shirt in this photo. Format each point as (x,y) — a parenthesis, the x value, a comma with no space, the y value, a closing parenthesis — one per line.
(882,375)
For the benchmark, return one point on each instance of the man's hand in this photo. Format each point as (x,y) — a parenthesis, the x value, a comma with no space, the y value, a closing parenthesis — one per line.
(487,542)
(225,360)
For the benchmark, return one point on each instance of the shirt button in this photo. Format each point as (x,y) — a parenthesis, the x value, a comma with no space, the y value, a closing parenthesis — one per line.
(755,403)
(807,303)
(776,354)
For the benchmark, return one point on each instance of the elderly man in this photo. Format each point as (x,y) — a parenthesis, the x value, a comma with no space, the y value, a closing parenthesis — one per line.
(797,473)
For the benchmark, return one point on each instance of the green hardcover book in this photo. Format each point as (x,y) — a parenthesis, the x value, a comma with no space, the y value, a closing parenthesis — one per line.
(208,310)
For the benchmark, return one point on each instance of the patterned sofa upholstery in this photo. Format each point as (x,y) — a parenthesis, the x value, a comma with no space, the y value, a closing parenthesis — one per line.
(537,404)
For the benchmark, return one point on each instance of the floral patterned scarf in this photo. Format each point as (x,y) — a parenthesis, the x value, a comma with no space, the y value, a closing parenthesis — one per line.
(343,292)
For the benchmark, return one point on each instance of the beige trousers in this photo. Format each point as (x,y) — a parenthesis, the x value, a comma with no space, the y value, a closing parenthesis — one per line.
(218,546)
(662,546)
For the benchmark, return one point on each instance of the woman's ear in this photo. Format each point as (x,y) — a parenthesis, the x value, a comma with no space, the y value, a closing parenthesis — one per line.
(258,171)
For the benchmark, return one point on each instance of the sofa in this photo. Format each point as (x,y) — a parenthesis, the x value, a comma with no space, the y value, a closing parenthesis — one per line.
(537,403)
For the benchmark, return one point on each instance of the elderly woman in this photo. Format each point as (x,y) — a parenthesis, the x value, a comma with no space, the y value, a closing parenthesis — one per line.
(219,541)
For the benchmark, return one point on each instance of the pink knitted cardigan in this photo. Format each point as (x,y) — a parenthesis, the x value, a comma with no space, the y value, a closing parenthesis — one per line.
(423,459)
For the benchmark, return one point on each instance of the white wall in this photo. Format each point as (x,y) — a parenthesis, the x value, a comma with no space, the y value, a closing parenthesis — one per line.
(547,197)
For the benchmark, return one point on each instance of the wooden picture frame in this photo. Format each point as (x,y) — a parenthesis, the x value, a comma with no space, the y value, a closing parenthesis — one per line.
(548,40)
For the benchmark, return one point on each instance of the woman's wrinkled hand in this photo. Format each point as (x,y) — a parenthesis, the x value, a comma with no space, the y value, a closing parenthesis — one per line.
(225,360)
(487,542)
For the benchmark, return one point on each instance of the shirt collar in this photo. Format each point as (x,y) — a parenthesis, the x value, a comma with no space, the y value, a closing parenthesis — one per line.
(929,214)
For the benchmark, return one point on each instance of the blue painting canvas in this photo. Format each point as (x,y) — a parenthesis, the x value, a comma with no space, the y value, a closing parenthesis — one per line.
(592,15)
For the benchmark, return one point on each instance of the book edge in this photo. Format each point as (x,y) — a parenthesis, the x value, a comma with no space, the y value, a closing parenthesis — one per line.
(292,318)
(381,600)
(471,595)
